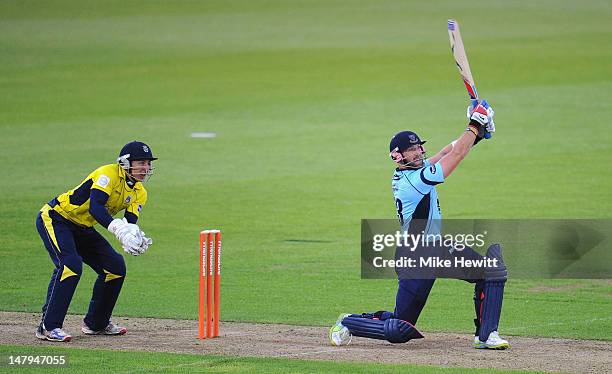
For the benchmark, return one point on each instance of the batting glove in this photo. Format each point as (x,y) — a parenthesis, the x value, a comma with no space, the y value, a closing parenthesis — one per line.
(481,115)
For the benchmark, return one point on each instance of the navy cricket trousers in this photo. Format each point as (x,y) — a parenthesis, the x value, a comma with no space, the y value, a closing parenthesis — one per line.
(414,286)
(69,246)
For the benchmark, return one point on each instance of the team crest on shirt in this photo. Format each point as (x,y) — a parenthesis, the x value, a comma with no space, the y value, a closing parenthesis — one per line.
(103,181)
(128,199)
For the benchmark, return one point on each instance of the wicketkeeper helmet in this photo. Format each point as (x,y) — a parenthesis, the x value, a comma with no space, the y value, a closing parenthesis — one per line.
(133,151)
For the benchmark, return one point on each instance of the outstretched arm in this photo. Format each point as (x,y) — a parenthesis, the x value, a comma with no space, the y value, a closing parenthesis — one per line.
(438,156)
(461,148)
(479,120)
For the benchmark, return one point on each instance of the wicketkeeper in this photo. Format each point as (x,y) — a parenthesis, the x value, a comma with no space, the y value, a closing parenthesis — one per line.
(414,189)
(65,225)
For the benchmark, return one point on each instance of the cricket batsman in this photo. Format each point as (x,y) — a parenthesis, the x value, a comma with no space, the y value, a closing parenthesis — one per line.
(414,189)
(65,225)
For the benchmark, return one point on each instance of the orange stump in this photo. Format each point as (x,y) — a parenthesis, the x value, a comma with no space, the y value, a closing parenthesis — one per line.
(203,255)
(217,297)
(210,270)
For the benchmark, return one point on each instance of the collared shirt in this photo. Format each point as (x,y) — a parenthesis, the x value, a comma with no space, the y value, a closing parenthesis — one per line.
(416,198)
(110,179)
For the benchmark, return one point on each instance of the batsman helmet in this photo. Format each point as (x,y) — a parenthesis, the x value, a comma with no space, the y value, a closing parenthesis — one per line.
(404,140)
(133,151)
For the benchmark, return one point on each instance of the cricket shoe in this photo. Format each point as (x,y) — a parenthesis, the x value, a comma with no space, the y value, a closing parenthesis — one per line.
(55,335)
(339,334)
(111,329)
(493,342)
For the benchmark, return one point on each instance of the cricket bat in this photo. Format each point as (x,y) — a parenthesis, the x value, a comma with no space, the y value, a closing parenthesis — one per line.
(462,62)
(461,59)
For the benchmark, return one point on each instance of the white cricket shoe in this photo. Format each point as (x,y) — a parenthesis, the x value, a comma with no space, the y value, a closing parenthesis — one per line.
(493,342)
(55,335)
(111,329)
(339,334)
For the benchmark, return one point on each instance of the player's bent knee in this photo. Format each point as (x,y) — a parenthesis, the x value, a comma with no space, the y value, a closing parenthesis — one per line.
(116,265)
(499,272)
(400,331)
(71,266)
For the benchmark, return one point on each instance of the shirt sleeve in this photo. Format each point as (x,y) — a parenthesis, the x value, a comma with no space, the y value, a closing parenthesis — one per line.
(97,199)
(103,180)
(424,179)
(131,217)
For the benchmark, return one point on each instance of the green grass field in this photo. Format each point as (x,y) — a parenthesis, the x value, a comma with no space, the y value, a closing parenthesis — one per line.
(303,97)
(81,360)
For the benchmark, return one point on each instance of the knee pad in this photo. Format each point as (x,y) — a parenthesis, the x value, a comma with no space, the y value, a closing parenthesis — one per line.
(392,329)
(499,273)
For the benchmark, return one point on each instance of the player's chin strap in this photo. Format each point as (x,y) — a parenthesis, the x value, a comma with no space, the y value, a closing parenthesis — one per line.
(124,162)
(399,159)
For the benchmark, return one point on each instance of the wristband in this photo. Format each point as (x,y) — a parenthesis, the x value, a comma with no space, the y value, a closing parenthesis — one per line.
(472,130)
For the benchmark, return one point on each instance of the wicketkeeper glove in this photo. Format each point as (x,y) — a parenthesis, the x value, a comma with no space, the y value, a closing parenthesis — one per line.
(144,242)
(128,235)
(139,245)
